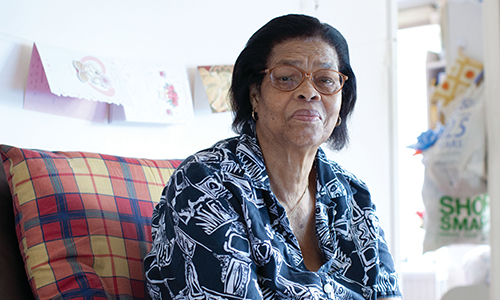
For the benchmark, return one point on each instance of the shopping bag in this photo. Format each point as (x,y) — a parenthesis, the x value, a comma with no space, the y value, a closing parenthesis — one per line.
(456,162)
(453,219)
(455,181)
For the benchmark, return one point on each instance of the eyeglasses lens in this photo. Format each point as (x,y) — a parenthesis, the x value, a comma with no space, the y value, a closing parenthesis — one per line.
(289,78)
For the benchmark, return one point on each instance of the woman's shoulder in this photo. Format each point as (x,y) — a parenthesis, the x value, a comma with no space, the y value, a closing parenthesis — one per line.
(337,169)
(237,160)
(338,182)
(220,156)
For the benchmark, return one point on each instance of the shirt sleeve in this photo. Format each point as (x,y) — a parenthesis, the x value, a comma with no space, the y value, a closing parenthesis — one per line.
(200,246)
(387,280)
(384,278)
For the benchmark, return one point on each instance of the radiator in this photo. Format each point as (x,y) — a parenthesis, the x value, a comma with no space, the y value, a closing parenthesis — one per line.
(421,286)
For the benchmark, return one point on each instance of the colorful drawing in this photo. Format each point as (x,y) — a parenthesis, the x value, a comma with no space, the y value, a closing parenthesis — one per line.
(169,95)
(217,81)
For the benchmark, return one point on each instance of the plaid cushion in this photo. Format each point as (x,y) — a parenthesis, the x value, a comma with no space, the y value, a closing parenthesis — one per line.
(83,220)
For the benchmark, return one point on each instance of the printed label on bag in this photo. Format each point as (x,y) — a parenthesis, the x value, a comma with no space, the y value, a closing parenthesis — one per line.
(462,216)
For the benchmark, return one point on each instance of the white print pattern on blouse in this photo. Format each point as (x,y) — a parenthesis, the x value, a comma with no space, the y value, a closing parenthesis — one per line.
(229,196)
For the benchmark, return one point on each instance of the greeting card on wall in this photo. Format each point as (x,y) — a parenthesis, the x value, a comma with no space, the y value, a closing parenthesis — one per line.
(75,84)
(39,96)
(158,93)
(217,81)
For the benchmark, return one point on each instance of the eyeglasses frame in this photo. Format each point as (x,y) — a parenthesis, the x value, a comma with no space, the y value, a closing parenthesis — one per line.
(304,75)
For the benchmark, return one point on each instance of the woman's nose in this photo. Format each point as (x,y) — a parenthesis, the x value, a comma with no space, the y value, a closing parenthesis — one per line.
(307,91)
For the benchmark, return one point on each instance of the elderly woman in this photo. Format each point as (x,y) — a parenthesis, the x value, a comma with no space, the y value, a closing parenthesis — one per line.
(266,215)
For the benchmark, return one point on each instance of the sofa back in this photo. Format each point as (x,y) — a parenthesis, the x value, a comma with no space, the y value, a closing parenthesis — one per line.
(81,220)
(13,281)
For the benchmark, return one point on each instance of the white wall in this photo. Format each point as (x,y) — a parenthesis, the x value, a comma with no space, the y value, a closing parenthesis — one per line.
(463,35)
(491,35)
(192,33)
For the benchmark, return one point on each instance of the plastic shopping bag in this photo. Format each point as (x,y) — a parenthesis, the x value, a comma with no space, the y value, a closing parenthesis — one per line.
(456,162)
(454,189)
(453,219)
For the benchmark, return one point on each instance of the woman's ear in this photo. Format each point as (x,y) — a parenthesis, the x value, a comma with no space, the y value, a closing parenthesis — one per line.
(254,95)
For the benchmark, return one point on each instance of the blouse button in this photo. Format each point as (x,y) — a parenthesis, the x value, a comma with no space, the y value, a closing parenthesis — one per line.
(328,288)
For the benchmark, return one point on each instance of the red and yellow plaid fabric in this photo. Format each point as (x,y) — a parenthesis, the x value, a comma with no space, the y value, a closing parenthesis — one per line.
(83,220)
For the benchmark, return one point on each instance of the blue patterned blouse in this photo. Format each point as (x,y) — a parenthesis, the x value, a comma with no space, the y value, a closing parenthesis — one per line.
(220,233)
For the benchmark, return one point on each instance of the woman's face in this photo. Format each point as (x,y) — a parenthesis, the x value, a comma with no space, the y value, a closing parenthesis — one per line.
(303,117)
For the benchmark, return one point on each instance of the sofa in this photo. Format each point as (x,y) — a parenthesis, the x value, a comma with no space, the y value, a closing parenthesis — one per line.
(76,225)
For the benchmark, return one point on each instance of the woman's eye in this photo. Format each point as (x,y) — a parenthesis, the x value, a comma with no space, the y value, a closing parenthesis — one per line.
(285,78)
(326,81)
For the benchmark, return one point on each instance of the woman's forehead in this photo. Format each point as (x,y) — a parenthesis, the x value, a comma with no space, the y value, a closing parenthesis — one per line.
(299,52)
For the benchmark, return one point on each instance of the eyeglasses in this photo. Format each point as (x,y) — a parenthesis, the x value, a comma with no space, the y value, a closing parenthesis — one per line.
(288,78)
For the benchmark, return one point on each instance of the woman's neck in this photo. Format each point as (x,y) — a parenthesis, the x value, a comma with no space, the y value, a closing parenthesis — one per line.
(289,172)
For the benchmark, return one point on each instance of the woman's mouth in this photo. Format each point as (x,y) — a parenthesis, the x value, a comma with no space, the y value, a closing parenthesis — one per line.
(307,115)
